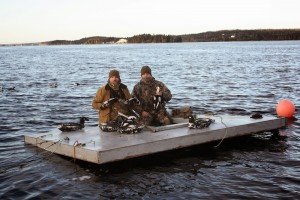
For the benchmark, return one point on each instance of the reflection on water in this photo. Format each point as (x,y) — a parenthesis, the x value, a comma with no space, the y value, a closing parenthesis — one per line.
(56,84)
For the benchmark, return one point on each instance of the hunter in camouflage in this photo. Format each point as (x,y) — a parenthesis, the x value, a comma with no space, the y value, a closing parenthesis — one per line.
(153,96)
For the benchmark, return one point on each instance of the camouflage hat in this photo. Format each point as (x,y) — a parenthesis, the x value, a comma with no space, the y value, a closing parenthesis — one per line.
(145,69)
(114,73)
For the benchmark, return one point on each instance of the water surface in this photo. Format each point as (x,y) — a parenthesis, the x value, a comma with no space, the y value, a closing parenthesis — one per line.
(221,78)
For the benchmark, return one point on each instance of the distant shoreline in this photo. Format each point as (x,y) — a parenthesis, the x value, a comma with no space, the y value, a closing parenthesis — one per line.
(210,36)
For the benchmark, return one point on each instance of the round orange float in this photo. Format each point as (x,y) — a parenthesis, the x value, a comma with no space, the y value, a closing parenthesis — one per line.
(285,108)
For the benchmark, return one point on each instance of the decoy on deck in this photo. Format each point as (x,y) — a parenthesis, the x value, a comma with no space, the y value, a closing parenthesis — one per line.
(66,127)
(256,116)
(199,123)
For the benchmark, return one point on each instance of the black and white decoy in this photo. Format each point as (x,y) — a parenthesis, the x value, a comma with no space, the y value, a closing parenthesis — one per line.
(66,127)
(199,122)
(11,89)
(132,101)
(53,85)
(157,99)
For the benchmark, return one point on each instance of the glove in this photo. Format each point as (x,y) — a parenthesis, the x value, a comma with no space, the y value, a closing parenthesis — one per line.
(108,103)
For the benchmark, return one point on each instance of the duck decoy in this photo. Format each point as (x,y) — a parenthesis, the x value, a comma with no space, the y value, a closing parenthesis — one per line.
(66,127)
(157,99)
(256,116)
(199,122)
(129,125)
(127,120)
(53,85)
(11,89)
(132,101)
(110,126)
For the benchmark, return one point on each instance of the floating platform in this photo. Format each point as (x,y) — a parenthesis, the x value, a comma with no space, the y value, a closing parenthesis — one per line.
(93,145)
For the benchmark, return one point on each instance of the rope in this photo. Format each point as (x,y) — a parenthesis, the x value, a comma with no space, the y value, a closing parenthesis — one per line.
(226,130)
(76,144)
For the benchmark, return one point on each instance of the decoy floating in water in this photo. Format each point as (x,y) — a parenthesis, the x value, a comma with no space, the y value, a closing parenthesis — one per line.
(11,89)
(199,122)
(256,116)
(65,127)
(53,85)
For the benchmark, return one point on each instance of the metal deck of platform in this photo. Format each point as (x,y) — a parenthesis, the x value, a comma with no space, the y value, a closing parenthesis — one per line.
(93,145)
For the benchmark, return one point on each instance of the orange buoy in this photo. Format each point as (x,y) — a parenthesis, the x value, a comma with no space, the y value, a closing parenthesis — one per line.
(285,108)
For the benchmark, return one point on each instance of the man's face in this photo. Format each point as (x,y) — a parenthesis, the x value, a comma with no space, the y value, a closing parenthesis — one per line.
(146,75)
(114,80)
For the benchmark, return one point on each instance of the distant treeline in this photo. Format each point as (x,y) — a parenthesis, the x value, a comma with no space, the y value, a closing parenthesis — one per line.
(212,36)
(244,35)
(89,40)
(147,38)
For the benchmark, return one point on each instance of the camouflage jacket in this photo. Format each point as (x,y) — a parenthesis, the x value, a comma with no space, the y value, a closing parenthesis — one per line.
(106,92)
(145,92)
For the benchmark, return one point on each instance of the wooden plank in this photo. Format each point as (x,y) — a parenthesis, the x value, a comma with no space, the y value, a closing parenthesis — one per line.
(169,127)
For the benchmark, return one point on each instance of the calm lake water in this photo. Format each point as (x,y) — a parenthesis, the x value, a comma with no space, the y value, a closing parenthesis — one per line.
(223,78)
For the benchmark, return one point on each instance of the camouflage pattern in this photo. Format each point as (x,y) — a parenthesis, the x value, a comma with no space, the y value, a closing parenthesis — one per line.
(145,91)
(110,113)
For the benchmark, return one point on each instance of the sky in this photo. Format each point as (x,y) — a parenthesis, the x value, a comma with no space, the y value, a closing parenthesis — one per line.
(25,21)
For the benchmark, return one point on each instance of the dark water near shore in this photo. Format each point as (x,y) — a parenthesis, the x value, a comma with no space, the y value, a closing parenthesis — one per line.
(234,78)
